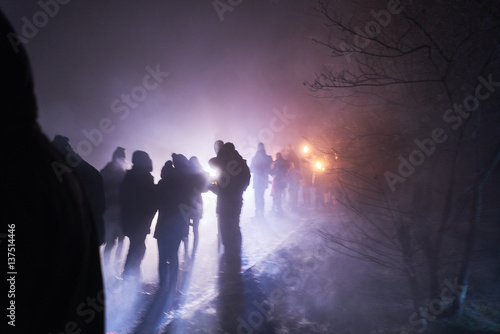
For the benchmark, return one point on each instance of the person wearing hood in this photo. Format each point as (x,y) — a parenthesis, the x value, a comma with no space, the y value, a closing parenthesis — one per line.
(138,207)
(54,262)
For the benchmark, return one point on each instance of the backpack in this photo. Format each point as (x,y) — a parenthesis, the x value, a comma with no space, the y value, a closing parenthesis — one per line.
(239,181)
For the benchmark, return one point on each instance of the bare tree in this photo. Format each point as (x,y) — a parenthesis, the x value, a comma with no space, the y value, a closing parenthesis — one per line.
(431,78)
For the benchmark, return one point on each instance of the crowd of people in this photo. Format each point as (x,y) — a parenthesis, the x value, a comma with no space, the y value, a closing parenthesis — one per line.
(61,210)
(132,200)
(124,202)
(288,175)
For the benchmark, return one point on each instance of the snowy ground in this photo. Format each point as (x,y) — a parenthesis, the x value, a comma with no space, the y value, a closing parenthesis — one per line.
(201,287)
(292,282)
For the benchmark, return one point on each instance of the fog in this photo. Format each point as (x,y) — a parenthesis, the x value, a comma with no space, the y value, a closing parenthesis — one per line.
(408,190)
(216,79)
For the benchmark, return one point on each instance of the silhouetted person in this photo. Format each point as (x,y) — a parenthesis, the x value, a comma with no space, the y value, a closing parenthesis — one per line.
(46,214)
(279,171)
(306,181)
(113,174)
(233,179)
(292,156)
(138,207)
(173,193)
(91,181)
(293,185)
(199,180)
(320,188)
(260,168)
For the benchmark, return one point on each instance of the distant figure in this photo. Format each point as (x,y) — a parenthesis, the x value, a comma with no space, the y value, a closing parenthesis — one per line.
(279,171)
(292,157)
(293,186)
(91,180)
(112,175)
(173,193)
(138,207)
(260,168)
(321,189)
(46,214)
(306,181)
(199,181)
(233,179)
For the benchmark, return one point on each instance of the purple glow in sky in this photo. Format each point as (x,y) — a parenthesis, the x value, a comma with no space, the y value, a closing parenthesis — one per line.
(170,76)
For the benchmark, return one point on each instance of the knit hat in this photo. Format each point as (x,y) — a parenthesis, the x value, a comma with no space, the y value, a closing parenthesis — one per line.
(141,159)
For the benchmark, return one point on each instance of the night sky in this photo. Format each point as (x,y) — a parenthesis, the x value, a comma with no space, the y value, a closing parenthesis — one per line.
(223,75)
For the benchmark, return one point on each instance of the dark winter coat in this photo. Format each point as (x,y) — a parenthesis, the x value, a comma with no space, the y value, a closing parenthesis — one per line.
(91,181)
(112,176)
(234,177)
(137,202)
(48,224)
(279,171)
(93,184)
(173,194)
(199,184)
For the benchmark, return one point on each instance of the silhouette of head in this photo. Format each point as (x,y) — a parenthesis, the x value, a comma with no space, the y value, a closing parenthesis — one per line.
(18,97)
(141,160)
(62,144)
(230,147)
(180,161)
(261,147)
(119,153)
(167,168)
(194,162)
(218,145)
(279,156)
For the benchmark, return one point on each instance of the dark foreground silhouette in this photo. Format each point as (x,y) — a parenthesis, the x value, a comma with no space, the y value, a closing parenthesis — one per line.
(54,268)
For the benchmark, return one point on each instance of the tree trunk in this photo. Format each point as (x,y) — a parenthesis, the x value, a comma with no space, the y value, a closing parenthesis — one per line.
(464,274)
